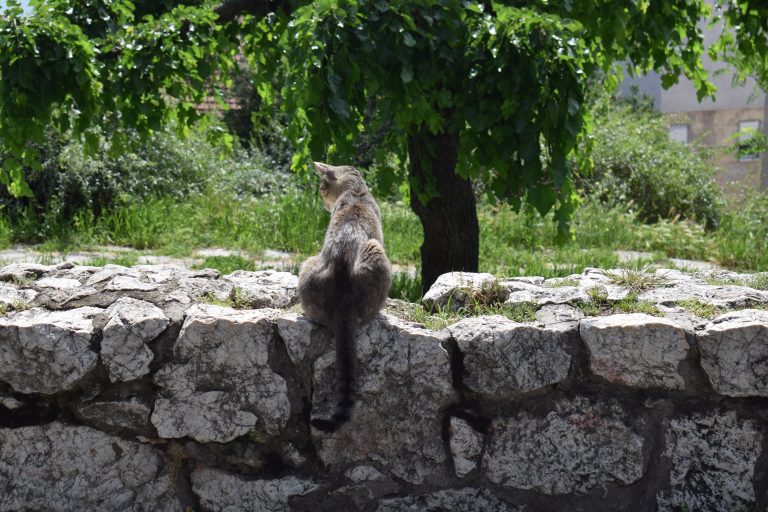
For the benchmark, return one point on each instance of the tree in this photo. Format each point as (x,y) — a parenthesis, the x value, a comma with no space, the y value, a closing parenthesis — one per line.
(472,89)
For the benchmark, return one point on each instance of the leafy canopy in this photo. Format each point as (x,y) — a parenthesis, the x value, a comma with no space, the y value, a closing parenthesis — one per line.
(508,77)
(79,64)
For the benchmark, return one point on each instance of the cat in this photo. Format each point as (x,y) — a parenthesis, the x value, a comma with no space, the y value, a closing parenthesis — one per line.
(346,285)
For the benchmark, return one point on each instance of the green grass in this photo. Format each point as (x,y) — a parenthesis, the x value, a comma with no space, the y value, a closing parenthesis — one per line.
(756,281)
(443,316)
(406,287)
(227,264)
(699,308)
(636,280)
(237,299)
(16,305)
(126,260)
(599,305)
(511,244)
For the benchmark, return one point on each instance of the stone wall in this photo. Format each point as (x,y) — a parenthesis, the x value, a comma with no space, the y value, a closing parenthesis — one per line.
(126,389)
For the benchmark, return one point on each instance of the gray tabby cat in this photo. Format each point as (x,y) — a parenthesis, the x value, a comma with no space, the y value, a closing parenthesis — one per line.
(346,285)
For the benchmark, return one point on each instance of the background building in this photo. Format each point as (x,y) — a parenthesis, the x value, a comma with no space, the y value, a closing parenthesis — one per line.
(737,108)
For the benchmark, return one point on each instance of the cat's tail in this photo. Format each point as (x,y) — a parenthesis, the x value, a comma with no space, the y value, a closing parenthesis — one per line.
(344,334)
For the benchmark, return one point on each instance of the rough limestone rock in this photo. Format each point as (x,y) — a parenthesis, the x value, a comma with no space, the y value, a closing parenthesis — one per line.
(365,474)
(559,317)
(734,353)
(713,462)
(521,292)
(466,446)
(23,271)
(46,351)
(10,295)
(636,349)
(577,447)
(722,296)
(10,402)
(403,382)
(297,332)
(109,272)
(220,491)
(504,358)
(61,468)
(129,283)
(456,500)
(454,290)
(57,283)
(219,385)
(132,324)
(605,280)
(196,288)
(129,414)
(266,288)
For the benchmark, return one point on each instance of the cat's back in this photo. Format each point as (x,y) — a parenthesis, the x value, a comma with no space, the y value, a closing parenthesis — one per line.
(355,217)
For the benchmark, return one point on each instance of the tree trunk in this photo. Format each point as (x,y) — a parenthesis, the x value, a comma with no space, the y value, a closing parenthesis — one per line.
(764,155)
(451,233)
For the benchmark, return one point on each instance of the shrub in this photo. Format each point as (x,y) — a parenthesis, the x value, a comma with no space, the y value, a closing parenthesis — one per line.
(636,164)
(70,182)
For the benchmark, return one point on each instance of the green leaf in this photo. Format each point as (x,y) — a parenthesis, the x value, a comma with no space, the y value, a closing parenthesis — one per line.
(406,74)
(542,198)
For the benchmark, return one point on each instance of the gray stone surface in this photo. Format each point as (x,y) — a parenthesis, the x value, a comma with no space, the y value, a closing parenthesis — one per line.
(560,317)
(403,382)
(220,491)
(10,402)
(129,283)
(576,447)
(704,287)
(109,272)
(131,324)
(453,500)
(46,351)
(198,287)
(219,385)
(734,353)
(57,283)
(10,295)
(504,358)
(636,349)
(130,414)
(23,271)
(266,288)
(521,292)
(297,332)
(454,289)
(364,474)
(63,468)
(466,446)
(713,461)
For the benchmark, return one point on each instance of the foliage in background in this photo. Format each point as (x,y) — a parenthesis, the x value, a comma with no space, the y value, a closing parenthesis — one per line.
(70,183)
(72,65)
(636,164)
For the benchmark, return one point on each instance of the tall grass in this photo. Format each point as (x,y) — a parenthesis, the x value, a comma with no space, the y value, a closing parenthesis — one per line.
(511,243)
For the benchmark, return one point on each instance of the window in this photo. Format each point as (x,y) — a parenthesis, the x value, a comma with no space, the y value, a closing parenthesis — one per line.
(679,132)
(746,138)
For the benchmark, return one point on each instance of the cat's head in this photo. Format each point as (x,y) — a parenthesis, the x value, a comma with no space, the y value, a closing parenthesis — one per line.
(335,180)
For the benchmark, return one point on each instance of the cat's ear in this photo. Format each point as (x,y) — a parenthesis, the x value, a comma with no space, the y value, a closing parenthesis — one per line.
(325,171)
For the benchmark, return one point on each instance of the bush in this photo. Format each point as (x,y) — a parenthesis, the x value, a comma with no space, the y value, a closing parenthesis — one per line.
(69,182)
(636,164)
